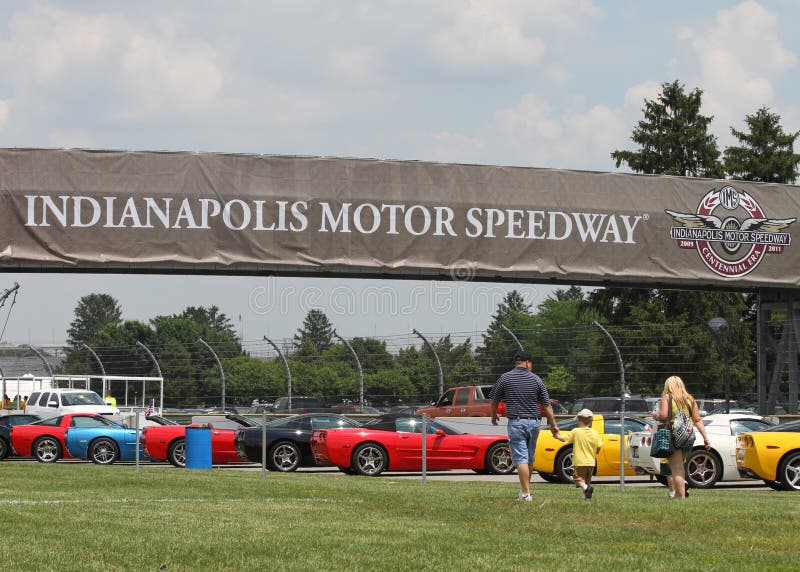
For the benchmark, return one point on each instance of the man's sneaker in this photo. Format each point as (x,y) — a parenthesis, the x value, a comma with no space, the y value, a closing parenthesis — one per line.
(587,494)
(524,497)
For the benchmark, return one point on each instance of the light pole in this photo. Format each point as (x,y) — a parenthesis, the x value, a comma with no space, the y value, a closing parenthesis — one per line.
(719,329)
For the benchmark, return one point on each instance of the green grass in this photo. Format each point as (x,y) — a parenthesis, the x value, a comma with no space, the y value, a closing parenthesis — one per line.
(85,517)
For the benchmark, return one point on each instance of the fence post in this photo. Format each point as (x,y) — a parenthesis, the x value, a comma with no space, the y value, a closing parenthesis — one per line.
(436,357)
(358,365)
(286,367)
(621,407)
(221,371)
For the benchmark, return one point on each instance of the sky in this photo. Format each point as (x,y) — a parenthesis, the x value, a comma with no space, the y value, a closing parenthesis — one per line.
(549,83)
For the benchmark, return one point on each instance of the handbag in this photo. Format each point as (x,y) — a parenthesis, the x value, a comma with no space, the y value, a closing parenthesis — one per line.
(661,445)
(682,430)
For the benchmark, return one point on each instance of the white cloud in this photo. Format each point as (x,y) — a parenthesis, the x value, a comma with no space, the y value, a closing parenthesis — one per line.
(5,109)
(352,64)
(737,59)
(635,96)
(506,33)
(71,140)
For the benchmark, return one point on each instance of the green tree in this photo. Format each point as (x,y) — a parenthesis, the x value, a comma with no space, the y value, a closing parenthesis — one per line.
(93,313)
(673,137)
(317,330)
(766,152)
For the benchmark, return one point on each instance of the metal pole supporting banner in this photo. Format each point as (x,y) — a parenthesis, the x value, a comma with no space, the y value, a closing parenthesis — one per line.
(436,357)
(621,407)
(221,371)
(424,448)
(264,444)
(138,440)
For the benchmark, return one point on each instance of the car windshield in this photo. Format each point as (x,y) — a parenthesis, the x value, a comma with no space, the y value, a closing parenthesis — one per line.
(82,398)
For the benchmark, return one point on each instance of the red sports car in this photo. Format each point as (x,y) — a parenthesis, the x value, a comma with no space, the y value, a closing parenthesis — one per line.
(45,439)
(168,442)
(394,443)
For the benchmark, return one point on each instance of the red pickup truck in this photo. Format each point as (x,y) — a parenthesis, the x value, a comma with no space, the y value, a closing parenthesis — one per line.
(463,401)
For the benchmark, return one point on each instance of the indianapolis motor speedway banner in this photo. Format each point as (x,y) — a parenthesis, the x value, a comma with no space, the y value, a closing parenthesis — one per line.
(191,212)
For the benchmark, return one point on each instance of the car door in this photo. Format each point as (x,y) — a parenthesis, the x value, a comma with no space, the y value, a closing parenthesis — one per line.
(443,451)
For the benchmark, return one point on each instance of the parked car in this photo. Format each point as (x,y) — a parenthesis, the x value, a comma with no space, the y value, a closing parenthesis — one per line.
(103,445)
(55,402)
(168,442)
(300,405)
(633,405)
(288,440)
(6,423)
(44,439)
(704,468)
(553,459)
(772,455)
(462,401)
(394,443)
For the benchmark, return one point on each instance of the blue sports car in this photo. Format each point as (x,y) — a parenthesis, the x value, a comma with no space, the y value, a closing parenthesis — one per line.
(103,445)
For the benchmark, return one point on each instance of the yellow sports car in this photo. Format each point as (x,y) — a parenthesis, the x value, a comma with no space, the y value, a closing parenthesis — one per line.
(772,454)
(553,460)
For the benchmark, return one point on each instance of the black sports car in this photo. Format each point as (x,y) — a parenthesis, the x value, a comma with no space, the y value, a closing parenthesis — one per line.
(6,423)
(288,440)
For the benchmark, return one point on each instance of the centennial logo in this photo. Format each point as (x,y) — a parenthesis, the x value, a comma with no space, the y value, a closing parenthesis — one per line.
(730,232)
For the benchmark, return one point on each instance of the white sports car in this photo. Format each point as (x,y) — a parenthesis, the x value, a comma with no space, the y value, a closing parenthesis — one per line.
(703,468)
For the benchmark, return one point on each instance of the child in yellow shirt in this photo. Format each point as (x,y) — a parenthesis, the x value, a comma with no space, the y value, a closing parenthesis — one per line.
(586,444)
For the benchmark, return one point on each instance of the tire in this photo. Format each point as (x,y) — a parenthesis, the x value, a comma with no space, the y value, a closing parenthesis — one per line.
(47,450)
(103,451)
(347,470)
(774,485)
(284,456)
(498,459)
(177,453)
(4,449)
(563,468)
(550,477)
(789,472)
(703,469)
(370,460)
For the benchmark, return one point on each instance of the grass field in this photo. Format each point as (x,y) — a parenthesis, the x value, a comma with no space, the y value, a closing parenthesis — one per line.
(86,517)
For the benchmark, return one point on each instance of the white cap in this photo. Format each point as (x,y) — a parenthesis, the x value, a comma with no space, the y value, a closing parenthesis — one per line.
(585,414)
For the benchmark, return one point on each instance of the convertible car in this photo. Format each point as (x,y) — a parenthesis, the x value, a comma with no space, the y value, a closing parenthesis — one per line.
(288,440)
(45,439)
(103,445)
(6,423)
(772,455)
(168,442)
(704,468)
(394,443)
(553,459)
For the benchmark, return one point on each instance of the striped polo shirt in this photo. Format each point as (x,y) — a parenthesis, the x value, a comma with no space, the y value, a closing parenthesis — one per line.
(522,390)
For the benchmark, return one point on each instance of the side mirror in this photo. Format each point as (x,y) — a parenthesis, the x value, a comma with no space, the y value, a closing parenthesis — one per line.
(440,433)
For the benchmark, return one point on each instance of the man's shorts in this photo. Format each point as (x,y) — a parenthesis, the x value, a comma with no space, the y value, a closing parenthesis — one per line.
(522,437)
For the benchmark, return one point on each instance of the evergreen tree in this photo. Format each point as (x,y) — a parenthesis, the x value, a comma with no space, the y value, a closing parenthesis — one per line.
(673,137)
(93,314)
(317,330)
(766,153)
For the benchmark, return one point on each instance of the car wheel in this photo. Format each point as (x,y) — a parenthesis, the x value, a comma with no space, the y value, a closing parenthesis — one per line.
(177,453)
(789,472)
(550,477)
(47,450)
(103,452)
(564,470)
(3,449)
(498,459)
(370,459)
(284,457)
(703,469)
(774,485)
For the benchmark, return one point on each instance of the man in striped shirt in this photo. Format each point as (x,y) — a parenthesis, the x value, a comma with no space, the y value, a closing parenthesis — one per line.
(526,399)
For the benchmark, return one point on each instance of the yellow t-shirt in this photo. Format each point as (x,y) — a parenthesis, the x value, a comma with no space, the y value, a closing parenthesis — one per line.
(585,444)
